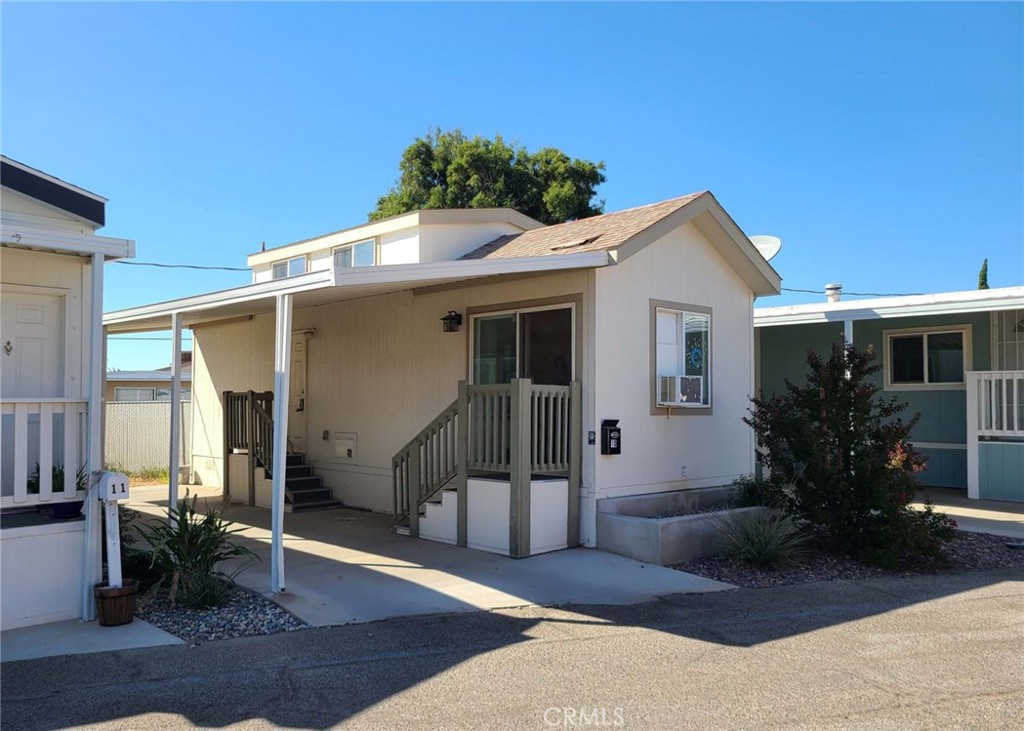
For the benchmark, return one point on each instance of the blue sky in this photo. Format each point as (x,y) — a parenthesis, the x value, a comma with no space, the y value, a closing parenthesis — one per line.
(883,142)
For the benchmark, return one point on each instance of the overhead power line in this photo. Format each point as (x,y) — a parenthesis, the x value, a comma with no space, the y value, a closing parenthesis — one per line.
(181,266)
(856,294)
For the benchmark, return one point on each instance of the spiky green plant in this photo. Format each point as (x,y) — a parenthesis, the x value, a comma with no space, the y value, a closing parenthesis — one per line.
(766,540)
(189,550)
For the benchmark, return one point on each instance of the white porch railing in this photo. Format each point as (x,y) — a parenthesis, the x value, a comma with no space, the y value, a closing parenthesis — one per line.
(995,410)
(50,433)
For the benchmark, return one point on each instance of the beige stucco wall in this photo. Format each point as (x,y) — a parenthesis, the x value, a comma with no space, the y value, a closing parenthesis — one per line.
(715,448)
(379,367)
(63,275)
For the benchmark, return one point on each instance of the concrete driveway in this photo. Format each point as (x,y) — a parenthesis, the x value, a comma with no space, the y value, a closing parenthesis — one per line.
(344,566)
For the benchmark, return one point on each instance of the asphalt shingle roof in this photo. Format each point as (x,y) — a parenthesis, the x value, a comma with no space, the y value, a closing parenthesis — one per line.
(598,233)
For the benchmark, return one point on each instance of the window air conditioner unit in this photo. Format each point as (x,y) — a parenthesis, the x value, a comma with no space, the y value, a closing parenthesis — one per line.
(680,390)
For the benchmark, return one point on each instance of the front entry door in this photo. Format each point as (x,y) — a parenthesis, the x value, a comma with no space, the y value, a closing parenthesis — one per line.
(534,343)
(297,395)
(32,351)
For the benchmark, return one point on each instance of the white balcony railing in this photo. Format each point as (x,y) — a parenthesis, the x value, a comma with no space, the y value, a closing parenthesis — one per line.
(995,410)
(42,439)
(998,402)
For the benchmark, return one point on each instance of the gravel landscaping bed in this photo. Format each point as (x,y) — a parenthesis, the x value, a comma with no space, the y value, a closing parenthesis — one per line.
(243,614)
(968,552)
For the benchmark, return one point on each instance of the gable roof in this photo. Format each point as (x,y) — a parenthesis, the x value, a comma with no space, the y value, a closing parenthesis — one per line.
(630,230)
(598,233)
(52,191)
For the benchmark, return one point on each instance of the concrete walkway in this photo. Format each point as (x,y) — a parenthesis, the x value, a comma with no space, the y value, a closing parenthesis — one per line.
(998,517)
(344,566)
(75,638)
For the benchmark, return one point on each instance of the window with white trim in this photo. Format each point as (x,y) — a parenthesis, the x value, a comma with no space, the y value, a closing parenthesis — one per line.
(683,358)
(359,254)
(125,393)
(289,268)
(926,358)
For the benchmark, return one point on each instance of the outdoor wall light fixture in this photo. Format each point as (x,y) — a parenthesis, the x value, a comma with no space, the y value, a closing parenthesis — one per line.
(450,322)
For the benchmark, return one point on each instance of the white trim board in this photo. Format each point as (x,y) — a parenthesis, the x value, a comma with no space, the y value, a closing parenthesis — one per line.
(942,303)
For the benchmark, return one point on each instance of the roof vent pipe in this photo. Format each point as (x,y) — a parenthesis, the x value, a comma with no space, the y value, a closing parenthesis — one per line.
(833,292)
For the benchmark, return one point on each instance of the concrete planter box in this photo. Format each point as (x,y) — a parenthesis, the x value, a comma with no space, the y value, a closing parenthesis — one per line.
(624,525)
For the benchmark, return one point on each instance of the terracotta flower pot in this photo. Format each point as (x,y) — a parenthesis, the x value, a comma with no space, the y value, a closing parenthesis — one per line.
(116,605)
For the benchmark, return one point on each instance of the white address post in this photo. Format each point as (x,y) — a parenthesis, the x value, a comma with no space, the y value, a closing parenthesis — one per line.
(113,489)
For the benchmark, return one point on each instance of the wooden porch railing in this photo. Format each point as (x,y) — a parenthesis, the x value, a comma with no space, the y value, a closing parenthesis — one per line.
(517,429)
(48,434)
(249,429)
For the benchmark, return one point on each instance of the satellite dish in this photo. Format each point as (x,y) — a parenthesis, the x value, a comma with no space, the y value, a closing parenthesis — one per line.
(769,246)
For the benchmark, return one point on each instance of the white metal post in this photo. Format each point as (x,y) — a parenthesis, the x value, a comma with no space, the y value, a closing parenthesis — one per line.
(848,331)
(92,568)
(974,408)
(282,375)
(173,468)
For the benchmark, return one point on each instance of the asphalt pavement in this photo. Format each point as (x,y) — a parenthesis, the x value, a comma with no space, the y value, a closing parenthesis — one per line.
(924,652)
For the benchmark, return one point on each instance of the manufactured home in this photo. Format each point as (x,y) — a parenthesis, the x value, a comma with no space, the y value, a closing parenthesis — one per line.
(51,392)
(957,358)
(484,378)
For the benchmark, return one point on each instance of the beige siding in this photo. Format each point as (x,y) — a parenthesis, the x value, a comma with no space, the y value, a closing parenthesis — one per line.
(681,267)
(68,276)
(379,367)
(19,208)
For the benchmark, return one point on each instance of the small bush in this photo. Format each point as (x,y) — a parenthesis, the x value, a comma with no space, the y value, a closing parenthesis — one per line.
(188,551)
(766,541)
(752,491)
(841,457)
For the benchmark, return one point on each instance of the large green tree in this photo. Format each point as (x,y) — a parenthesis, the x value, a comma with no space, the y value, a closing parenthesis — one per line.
(450,170)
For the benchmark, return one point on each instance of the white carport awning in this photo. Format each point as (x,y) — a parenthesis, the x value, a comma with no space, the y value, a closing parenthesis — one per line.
(337,285)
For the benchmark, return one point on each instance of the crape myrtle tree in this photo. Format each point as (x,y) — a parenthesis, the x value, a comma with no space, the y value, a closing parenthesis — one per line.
(450,170)
(840,460)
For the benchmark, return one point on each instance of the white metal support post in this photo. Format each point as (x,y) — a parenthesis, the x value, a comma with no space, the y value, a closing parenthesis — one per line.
(92,568)
(974,410)
(173,468)
(282,375)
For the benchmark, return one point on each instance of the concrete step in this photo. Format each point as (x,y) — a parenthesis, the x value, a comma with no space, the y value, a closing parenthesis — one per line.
(301,470)
(307,507)
(303,483)
(304,497)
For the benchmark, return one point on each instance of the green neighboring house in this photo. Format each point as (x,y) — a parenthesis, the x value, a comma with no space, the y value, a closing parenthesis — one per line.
(956,357)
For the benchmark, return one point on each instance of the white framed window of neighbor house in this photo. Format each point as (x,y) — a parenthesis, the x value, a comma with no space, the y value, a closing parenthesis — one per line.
(681,358)
(289,268)
(927,358)
(126,393)
(359,254)
(279,270)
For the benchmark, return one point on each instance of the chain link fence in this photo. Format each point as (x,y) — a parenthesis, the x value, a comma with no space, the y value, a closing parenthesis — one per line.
(138,435)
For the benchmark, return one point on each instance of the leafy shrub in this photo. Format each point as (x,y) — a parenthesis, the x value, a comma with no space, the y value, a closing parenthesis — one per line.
(752,491)
(767,540)
(188,550)
(840,456)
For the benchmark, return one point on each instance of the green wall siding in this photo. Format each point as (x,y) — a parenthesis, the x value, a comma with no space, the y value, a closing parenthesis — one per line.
(943,413)
(1001,471)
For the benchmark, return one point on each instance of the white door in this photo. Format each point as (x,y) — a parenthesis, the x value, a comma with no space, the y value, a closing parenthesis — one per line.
(31,345)
(297,395)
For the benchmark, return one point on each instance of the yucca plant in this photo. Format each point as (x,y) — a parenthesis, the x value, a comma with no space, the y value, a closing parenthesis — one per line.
(766,540)
(189,550)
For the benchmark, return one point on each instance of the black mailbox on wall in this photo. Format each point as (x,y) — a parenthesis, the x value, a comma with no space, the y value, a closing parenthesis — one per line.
(611,437)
